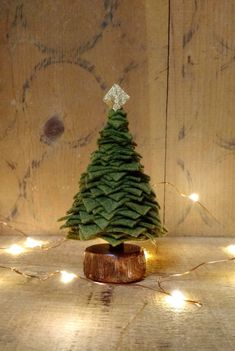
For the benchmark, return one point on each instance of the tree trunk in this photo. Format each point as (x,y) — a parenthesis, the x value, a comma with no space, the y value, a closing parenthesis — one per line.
(124,263)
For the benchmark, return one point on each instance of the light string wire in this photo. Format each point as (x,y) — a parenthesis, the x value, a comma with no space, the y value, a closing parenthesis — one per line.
(44,247)
(60,241)
(10,226)
(188,196)
(162,290)
(42,277)
(160,281)
(47,275)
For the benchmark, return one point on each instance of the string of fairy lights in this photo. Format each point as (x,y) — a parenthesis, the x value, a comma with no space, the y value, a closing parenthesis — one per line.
(175,298)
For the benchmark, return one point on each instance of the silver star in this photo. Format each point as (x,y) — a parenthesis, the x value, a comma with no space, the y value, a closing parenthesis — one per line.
(116,97)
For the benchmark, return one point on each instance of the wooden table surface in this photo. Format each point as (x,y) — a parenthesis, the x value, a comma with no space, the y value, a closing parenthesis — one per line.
(82,315)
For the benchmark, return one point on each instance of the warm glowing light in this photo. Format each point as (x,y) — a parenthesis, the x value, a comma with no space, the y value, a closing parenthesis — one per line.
(15,249)
(231,249)
(194,197)
(67,277)
(147,255)
(176,299)
(31,243)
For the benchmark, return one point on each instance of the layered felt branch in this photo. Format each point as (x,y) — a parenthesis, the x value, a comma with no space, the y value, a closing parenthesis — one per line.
(115,201)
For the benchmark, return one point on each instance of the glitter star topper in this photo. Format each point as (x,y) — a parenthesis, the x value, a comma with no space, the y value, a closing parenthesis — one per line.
(116,97)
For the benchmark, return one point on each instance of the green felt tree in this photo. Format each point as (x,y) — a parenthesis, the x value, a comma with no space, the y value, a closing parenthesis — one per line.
(115,201)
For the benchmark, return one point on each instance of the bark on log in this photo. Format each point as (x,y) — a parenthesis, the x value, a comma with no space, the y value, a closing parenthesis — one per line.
(124,264)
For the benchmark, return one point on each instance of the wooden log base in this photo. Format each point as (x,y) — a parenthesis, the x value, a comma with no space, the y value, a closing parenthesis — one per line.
(123,264)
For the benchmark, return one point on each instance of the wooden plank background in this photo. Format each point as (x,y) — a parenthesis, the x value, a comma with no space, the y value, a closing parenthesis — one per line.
(201,116)
(176,60)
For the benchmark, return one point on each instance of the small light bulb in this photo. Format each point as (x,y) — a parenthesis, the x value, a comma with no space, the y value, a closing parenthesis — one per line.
(15,249)
(176,299)
(31,243)
(67,277)
(147,255)
(194,197)
(231,249)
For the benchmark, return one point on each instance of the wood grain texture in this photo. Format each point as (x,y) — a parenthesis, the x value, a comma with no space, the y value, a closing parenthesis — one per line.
(58,58)
(200,123)
(86,316)
(123,264)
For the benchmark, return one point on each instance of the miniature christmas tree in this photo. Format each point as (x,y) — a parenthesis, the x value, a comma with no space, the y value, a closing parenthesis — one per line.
(115,201)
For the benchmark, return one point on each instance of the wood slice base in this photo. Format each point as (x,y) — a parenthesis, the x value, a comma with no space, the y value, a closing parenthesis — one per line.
(125,264)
